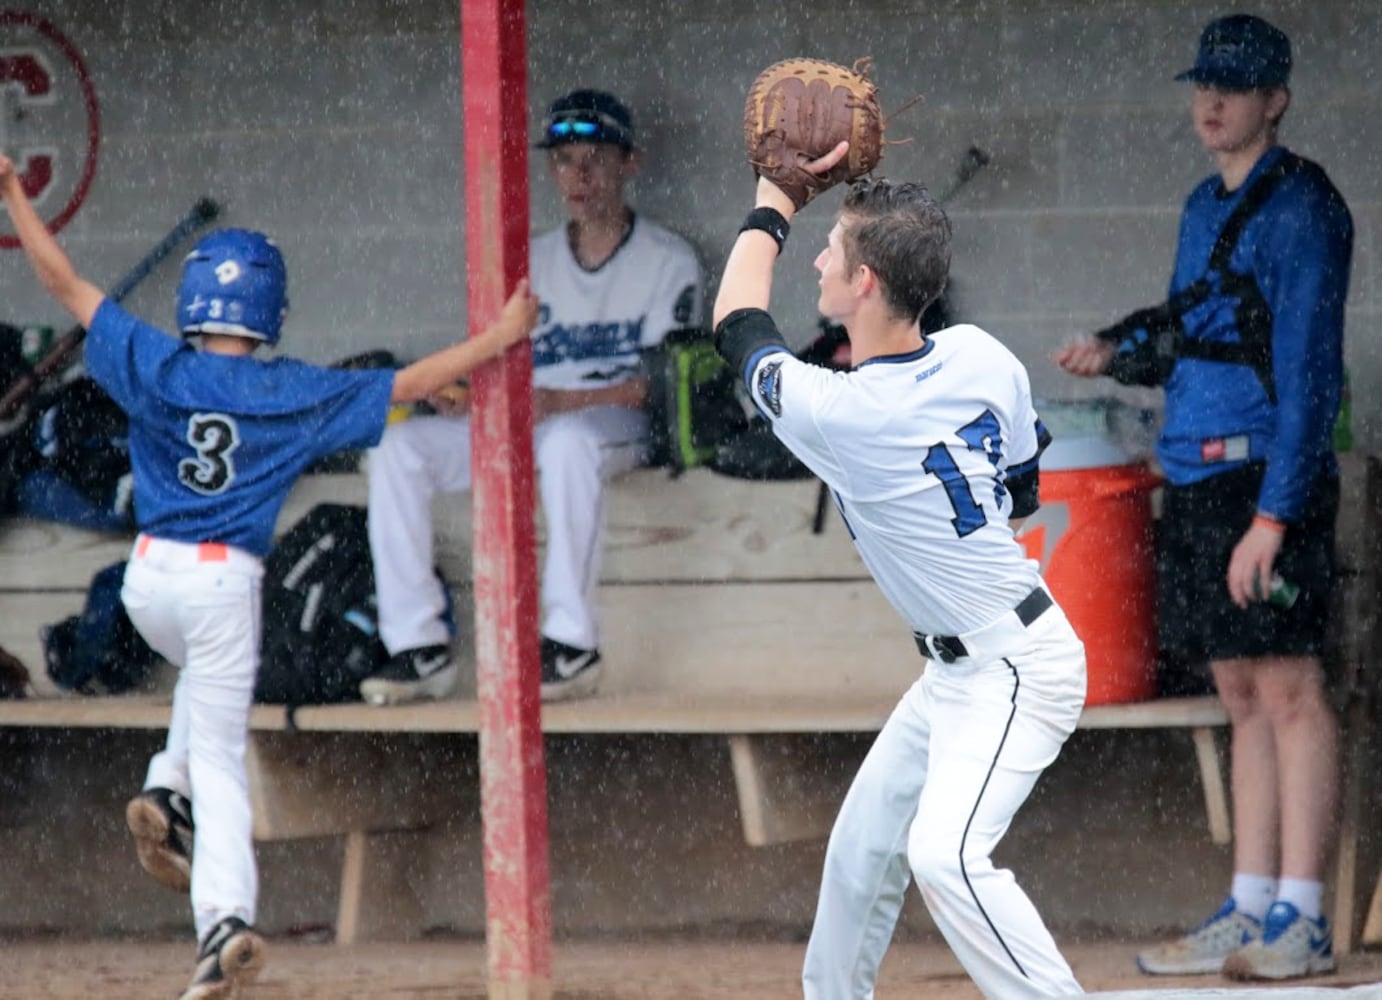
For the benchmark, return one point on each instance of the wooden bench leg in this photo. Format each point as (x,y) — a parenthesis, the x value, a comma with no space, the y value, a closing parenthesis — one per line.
(374,870)
(307,784)
(1212,777)
(1372,927)
(352,887)
(790,786)
(1356,733)
(1362,758)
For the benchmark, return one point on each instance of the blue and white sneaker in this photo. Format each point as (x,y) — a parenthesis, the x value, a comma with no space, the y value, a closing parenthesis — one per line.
(1291,946)
(1204,949)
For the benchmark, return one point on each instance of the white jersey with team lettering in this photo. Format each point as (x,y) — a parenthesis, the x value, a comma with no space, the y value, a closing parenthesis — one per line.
(593,323)
(916,448)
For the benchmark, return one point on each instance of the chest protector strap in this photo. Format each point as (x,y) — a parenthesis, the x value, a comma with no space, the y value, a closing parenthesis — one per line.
(1158,334)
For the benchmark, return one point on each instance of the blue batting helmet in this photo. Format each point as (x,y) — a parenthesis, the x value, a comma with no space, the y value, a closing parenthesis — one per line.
(234,281)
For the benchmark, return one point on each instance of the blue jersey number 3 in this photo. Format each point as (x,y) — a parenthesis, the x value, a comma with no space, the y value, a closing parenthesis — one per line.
(981,434)
(214,437)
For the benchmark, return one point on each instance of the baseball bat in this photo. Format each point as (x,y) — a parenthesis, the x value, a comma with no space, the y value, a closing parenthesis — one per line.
(57,358)
(974,160)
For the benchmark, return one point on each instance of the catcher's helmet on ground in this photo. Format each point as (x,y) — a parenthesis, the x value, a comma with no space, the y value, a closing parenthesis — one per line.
(234,281)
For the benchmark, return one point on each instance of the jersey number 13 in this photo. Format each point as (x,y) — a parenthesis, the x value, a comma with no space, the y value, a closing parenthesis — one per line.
(981,434)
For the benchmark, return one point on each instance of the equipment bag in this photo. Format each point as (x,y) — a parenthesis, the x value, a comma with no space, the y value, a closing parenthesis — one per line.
(693,404)
(99,651)
(321,622)
(80,471)
(84,437)
(696,416)
(321,616)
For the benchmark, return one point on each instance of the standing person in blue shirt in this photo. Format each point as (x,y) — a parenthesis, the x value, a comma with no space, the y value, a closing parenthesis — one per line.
(1249,348)
(217,439)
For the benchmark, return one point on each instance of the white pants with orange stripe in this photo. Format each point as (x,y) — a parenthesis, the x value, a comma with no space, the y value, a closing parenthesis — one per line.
(198,606)
(950,768)
(575,453)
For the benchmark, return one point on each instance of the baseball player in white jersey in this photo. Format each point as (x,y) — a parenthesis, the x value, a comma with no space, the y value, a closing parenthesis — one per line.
(930,447)
(217,439)
(612,283)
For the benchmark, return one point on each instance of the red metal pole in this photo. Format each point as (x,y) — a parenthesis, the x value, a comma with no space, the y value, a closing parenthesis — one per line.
(513,774)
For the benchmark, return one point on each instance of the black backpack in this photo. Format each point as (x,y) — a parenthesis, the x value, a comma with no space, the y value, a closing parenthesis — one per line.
(321,621)
(321,617)
(693,405)
(83,437)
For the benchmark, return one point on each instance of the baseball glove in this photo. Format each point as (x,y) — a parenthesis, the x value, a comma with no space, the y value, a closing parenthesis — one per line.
(800,109)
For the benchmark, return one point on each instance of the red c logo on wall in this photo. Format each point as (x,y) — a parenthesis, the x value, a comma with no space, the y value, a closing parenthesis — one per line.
(50,123)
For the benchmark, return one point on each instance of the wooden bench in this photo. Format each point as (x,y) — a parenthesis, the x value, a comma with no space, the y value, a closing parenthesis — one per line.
(724,614)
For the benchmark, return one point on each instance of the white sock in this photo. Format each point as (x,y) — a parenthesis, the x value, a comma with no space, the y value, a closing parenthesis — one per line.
(1254,894)
(1302,893)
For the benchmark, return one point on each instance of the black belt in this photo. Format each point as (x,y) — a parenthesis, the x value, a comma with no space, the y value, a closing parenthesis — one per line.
(951,647)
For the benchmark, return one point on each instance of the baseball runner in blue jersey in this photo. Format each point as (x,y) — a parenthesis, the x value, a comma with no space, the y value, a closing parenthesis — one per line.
(929,446)
(217,439)
(1249,349)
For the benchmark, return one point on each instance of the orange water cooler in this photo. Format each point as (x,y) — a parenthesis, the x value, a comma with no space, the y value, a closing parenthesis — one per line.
(1093,539)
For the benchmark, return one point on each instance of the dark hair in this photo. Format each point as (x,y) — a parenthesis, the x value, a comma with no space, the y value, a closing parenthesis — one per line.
(902,234)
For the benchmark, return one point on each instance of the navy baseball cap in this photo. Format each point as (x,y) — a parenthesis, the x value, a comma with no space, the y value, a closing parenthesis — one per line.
(587,116)
(1241,52)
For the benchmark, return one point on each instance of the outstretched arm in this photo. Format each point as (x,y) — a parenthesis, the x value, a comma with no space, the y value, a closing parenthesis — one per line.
(73,292)
(1085,356)
(748,278)
(429,375)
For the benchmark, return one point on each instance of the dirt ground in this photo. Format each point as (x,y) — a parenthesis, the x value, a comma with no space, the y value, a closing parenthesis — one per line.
(454,969)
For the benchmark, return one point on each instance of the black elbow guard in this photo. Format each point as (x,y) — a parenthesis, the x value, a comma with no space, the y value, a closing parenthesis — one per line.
(741,334)
(1026,492)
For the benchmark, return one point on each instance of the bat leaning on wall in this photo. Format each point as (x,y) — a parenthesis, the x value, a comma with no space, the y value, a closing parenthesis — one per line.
(59,356)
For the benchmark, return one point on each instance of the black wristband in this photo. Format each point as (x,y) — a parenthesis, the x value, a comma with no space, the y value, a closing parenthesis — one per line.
(770,221)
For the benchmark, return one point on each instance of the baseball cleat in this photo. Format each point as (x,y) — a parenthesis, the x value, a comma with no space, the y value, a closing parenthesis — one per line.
(161,821)
(230,956)
(1291,945)
(1204,949)
(567,671)
(412,675)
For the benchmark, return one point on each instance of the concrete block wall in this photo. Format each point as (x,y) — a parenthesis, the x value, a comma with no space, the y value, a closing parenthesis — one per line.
(338,127)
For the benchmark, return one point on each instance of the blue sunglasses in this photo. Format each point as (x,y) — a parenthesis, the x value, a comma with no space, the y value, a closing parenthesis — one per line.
(566,129)
(588,127)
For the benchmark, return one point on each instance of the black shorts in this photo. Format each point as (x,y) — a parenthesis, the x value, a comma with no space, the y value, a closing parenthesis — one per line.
(1200,525)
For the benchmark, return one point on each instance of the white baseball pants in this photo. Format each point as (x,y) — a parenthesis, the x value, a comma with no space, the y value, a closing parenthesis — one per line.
(575,454)
(933,797)
(198,606)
